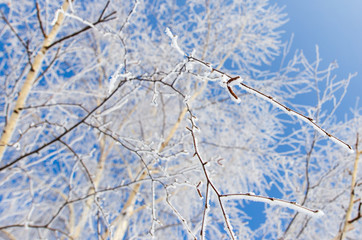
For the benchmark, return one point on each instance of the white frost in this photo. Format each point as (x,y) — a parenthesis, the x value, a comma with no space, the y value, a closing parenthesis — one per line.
(155,96)
(174,41)
(113,108)
(56,16)
(291,112)
(113,82)
(17,146)
(223,81)
(71,6)
(275,201)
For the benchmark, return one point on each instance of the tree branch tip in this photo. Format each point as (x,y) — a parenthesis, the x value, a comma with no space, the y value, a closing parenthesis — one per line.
(232,79)
(319,213)
(232,93)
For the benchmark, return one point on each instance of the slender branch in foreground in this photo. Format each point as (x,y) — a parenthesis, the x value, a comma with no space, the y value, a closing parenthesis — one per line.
(14,31)
(238,80)
(37,150)
(274,201)
(244,196)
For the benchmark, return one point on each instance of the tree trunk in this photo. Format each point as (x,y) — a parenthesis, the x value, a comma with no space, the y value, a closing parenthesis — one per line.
(30,78)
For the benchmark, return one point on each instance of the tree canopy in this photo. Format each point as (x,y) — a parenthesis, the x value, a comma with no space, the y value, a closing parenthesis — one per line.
(169,120)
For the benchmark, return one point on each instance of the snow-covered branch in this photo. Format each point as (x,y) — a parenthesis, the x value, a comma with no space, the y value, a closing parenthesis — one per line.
(245,196)
(238,81)
(274,201)
(174,41)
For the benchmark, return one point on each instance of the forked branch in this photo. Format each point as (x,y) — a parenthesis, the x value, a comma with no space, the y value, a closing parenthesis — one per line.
(245,196)
(101,19)
(9,128)
(58,138)
(238,80)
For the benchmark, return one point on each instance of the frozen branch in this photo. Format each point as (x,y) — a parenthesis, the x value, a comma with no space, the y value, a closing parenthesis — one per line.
(300,116)
(101,19)
(274,201)
(209,182)
(133,10)
(64,133)
(174,41)
(246,196)
(274,102)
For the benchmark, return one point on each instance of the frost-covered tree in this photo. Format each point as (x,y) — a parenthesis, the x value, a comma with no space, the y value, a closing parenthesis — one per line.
(165,120)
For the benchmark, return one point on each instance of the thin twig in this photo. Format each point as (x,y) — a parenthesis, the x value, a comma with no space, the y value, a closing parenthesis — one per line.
(129,16)
(39,19)
(103,11)
(13,30)
(105,19)
(49,66)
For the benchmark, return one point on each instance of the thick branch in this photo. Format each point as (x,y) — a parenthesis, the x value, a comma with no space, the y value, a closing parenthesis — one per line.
(24,92)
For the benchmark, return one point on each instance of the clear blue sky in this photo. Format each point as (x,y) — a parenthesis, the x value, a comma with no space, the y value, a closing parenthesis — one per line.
(336,27)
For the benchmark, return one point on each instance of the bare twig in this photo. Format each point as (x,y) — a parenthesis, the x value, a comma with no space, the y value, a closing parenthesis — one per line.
(129,16)
(49,66)
(13,30)
(55,230)
(39,19)
(103,11)
(359,214)
(25,44)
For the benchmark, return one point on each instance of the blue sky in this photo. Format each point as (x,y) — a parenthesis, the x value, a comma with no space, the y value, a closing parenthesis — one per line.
(336,27)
